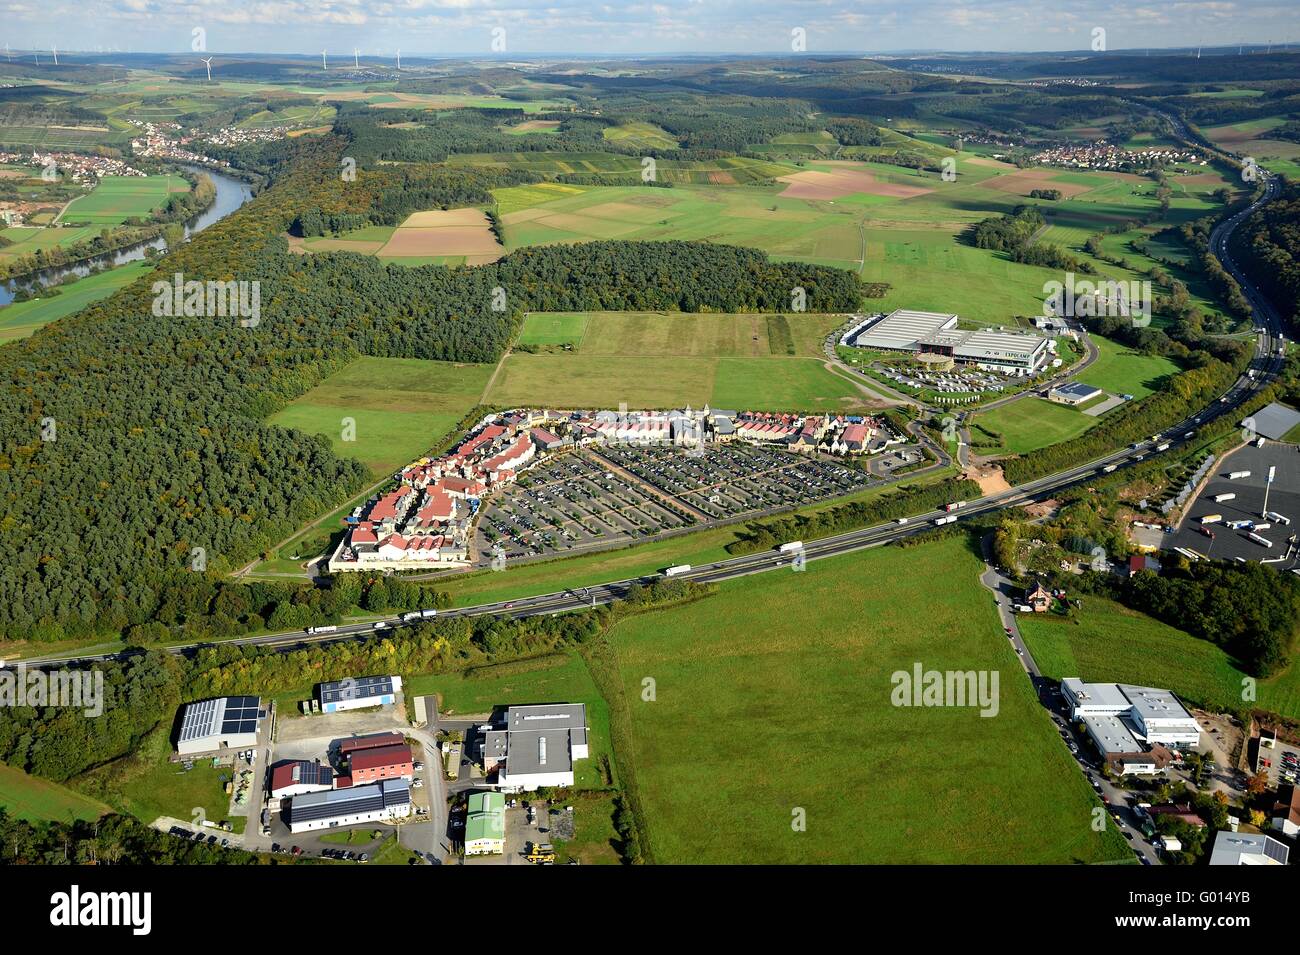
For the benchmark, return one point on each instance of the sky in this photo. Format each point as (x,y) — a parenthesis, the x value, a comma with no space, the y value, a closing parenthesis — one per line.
(469,28)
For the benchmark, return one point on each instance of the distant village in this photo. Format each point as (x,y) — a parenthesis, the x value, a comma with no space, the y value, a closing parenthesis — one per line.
(1106,156)
(427,519)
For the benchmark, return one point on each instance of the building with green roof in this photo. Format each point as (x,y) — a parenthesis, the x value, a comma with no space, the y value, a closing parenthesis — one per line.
(485,827)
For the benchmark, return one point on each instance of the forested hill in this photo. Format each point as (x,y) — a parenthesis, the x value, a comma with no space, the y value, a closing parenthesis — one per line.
(127,439)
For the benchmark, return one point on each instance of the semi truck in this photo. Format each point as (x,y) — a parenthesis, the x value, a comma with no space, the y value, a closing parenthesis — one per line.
(790,547)
(1211,518)
(1277,518)
(1163,447)
(1238,475)
(954,505)
(329,629)
(940,521)
(1108,468)
(1220,498)
(418,615)
(677,570)
(1261,541)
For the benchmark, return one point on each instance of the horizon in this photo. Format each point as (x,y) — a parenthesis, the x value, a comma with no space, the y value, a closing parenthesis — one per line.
(540,28)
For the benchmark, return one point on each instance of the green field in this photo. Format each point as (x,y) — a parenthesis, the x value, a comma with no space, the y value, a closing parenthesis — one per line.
(22,318)
(775,696)
(118,198)
(150,785)
(39,800)
(1122,371)
(599,381)
(401,407)
(554,328)
(1032,423)
(641,135)
(1107,642)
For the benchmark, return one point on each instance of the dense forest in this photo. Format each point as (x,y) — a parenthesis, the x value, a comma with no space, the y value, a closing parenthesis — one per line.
(1270,240)
(112,840)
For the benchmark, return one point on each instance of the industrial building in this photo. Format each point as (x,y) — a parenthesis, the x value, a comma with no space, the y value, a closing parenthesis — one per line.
(355,744)
(1242,848)
(356,805)
(295,777)
(358,693)
(227,722)
(537,747)
(485,824)
(1135,728)
(1074,393)
(936,333)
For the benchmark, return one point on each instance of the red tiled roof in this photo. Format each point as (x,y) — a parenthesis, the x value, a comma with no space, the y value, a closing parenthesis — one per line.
(374,741)
(376,758)
(362,535)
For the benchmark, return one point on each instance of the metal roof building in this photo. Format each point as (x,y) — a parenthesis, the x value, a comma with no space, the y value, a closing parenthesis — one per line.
(936,333)
(538,745)
(1274,421)
(357,805)
(1241,848)
(227,722)
(485,825)
(356,693)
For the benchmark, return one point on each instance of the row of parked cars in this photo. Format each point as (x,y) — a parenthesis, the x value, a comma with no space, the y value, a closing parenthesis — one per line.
(181,832)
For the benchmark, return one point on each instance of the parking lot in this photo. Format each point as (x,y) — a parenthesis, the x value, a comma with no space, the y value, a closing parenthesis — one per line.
(1245,508)
(1282,763)
(619,494)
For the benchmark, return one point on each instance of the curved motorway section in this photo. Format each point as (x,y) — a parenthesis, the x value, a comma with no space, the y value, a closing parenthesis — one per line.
(1268,360)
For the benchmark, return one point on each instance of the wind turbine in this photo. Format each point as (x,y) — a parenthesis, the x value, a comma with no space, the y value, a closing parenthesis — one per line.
(208,64)
(322,60)
(356,61)
(55,50)
(399,60)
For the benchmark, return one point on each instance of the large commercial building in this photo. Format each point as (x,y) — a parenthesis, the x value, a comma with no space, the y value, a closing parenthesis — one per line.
(227,722)
(936,333)
(538,746)
(354,806)
(1135,728)
(358,693)
(485,825)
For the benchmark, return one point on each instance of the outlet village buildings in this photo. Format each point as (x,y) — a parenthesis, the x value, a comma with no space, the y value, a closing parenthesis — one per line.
(426,520)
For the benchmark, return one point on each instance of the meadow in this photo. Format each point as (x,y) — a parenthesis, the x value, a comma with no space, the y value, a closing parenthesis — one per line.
(39,800)
(1122,371)
(1106,642)
(20,319)
(1032,423)
(401,407)
(118,198)
(762,689)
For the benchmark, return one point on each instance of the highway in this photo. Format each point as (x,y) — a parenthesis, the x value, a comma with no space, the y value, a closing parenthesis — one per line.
(1265,365)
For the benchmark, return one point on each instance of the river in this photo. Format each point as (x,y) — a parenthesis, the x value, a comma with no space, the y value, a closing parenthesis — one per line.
(231,194)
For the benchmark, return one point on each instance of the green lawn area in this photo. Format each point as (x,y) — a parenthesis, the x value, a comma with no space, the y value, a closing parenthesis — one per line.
(594,836)
(598,381)
(554,328)
(1107,642)
(570,682)
(38,800)
(153,786)
(118,198)
(349,837)
(641,135)
(1032,423)
(22,318)
(1122,371)
(391,852)
(401,407)
(775,696)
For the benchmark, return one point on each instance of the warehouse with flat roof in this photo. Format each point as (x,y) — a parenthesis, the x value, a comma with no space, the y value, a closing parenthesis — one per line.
(227,722)
(538,746)
(357,693)
(1074,393)
(936,333)
(354,806)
